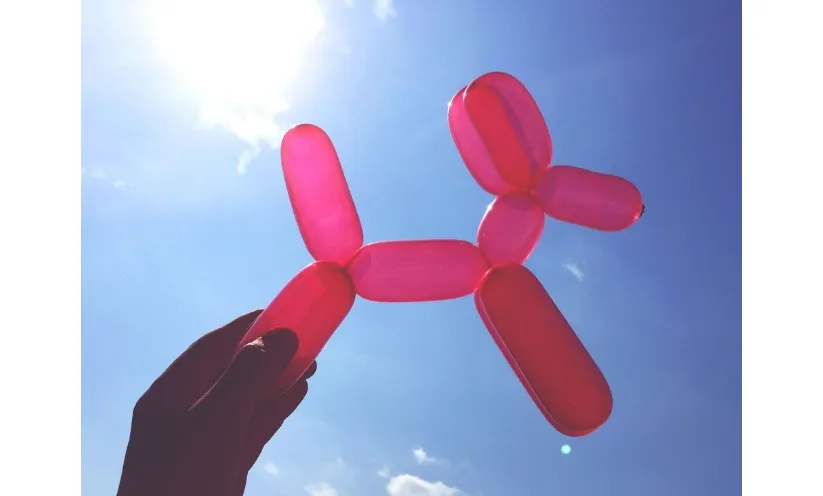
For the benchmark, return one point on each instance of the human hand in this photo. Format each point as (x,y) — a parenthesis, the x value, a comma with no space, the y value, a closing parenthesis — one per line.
(202,424)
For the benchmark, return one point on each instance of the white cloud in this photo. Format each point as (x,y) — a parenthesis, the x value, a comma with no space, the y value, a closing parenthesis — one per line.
(422,457)
(241,60)
(411,485)
(384,473)
(383,9)
(574,270)
(321,489)
(98,174)
(271,468)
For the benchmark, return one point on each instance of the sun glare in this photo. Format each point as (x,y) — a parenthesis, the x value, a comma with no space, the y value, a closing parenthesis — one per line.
(239,58)
(236,51)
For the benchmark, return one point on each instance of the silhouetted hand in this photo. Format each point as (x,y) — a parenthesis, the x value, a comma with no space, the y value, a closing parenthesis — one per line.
(202,424)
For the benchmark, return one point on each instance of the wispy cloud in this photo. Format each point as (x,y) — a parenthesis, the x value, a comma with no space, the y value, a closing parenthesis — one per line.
(271,468)
(422,457)
(240,59)
(411,485)
(384,473)
(574,270)
(383,9)
(101,175)
(321,489)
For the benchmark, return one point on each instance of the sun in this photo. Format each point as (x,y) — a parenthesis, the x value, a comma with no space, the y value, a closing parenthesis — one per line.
(235,53)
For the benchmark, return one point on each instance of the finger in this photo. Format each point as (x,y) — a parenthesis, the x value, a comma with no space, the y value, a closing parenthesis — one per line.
(273,389)
(268,417)
(240,485)
(196,370)
(310,372)
(232,400)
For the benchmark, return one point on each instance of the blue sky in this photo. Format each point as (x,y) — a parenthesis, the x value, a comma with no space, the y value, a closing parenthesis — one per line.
(185,224)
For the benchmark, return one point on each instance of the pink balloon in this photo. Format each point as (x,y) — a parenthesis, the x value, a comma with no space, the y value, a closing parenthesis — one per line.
(510,229)
(511,126)
(319,195)
(313,305)
(587,198)
(503,139)
(408,271)
(544,351)
(519,373)
(472,150)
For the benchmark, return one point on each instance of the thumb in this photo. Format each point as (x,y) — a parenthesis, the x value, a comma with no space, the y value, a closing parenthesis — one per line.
(233,398)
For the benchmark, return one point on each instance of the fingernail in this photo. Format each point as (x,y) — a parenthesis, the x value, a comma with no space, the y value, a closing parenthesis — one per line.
(282,343)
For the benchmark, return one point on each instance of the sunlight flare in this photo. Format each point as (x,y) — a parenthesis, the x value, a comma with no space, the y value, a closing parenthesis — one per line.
(239,58)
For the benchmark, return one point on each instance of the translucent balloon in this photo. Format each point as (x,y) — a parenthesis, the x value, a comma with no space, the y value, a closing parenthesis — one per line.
(319,195)
(587,198)
(512,361)
(503,139)
(510,126)
(510,229)
(424,270)
(544,351)
(313,305)
(472,150)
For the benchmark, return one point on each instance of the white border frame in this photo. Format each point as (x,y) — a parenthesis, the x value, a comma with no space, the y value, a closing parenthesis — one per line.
(40,248)
(782,248)
(40,259)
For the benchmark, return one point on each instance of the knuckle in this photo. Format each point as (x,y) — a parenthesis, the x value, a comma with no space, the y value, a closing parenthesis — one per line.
(248,358)
(251,352)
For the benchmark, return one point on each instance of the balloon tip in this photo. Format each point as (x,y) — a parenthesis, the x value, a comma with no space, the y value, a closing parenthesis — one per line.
(642,210)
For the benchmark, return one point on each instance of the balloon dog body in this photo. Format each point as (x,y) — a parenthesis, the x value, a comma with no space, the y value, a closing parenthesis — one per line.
(502,137)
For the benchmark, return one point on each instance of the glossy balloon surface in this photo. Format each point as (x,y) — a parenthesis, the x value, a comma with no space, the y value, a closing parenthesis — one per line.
(504,142)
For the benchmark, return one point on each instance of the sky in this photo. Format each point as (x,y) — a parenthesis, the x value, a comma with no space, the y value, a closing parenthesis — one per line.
(186,224)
